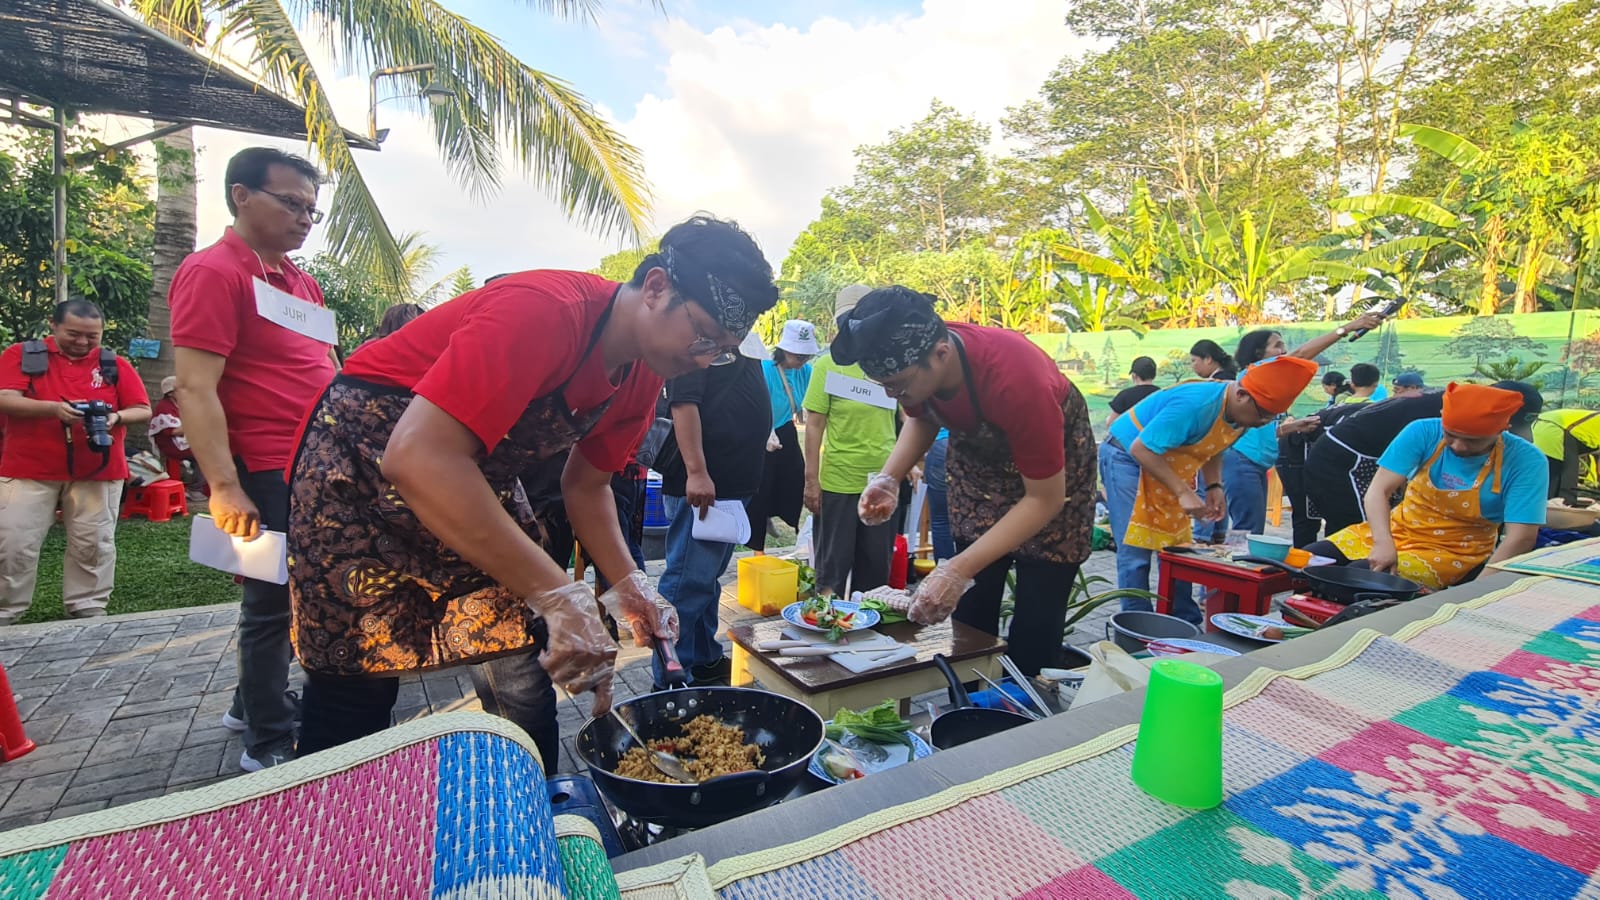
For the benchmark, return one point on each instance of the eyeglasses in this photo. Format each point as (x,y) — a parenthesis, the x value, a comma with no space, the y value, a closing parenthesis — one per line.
(704,346)
(294,206)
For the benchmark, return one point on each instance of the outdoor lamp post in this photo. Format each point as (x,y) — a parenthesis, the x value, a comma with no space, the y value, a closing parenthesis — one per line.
(435,93)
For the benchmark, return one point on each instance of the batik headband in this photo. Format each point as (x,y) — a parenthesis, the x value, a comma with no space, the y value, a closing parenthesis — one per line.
(719,298)
(892,347)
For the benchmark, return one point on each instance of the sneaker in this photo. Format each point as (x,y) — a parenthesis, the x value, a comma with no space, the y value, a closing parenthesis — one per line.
(710,675)
(92,612)
(232,722)
(275,755)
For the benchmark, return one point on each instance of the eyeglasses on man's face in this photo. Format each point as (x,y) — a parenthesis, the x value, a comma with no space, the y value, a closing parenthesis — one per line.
(293,205)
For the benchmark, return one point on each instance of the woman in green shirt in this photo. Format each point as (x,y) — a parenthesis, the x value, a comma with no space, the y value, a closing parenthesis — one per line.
(849,435)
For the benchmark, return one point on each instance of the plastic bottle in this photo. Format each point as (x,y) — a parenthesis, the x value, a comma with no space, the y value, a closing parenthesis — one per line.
(897,566)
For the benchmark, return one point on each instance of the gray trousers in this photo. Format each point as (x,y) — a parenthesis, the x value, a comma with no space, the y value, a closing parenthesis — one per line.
(843,548)
(264,649)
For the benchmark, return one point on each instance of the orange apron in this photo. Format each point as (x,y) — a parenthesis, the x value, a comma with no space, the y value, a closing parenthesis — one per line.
(1441,535)
(1157,521)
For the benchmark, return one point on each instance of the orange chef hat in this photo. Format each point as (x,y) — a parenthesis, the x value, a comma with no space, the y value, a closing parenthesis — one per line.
(1275,383)
(1477,410)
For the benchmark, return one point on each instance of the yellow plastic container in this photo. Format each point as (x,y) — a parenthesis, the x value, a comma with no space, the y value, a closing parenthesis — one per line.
(767,584)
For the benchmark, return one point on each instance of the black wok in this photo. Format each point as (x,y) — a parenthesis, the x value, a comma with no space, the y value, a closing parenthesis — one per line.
(1346,584)
(787,732)
(967,722)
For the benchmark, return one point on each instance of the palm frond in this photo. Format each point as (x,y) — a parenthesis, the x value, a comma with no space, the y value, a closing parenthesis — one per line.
(356,229)
(557,137)
(1419,208)
(1453,147)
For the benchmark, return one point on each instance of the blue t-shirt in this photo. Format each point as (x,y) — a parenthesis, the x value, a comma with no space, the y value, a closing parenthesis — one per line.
(1524,475)
(799,379)
(1260,445)
(1176,417)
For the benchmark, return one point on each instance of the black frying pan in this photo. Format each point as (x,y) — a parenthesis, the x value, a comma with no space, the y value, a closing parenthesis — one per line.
(967,722)
(787,732)
(1345,584)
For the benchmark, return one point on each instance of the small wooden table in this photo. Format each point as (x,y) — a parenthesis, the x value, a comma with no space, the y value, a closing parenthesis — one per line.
(824,686)
(1239,587)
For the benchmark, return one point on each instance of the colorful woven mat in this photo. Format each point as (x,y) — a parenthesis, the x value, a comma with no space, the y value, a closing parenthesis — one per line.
(446,806)
(1577,561)
(1460,759)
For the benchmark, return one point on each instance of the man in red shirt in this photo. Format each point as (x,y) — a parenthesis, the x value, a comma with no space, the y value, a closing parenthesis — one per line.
(254,350)
(50,460)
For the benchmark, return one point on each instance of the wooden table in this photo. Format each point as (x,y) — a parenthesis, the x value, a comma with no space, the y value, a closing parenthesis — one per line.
(1239,587)
(825,686)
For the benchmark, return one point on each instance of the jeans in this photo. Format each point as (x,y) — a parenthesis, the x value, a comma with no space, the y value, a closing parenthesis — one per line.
(1247,492)
(264,650)
(944,546)
(1040,610)
(1119,477)
(690,583)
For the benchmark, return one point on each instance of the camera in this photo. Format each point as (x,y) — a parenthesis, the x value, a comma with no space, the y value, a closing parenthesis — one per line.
(96,422)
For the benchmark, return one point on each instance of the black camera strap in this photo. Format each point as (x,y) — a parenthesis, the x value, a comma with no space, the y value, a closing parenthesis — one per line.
(72,462)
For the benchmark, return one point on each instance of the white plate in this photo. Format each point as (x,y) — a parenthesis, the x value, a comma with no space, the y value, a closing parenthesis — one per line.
(899,755)
(1185,646)
(865,618)
(1250,629)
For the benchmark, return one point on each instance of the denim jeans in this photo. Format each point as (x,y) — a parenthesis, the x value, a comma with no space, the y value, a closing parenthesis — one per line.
(690,583)
(629,496)
(1119,477)
(264,650)
(944,546)
(1247,493)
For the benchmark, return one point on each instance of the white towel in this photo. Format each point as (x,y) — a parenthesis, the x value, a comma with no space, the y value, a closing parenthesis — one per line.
(725,522)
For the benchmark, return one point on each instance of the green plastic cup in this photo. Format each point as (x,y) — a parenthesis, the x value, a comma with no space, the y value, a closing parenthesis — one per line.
(1178,758)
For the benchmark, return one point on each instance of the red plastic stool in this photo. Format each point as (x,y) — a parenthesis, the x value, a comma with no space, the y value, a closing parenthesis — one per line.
(157,501)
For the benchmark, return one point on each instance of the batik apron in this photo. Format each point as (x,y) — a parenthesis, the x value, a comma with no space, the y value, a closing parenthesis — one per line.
(1441,535)
(374,591)
(984,483)
(1158,521)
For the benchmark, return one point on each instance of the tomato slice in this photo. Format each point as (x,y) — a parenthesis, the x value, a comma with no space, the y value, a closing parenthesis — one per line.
(808,618)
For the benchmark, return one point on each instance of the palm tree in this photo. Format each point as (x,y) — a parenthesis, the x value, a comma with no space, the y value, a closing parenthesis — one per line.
(556,137)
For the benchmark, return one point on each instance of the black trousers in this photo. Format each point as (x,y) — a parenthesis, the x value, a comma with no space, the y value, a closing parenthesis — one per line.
(1042,592)
(1306,529)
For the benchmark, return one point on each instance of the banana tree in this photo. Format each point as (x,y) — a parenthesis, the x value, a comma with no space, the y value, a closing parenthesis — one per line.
(1253,266)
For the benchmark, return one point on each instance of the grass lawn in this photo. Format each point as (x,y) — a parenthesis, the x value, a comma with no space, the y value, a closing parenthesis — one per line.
(153,572)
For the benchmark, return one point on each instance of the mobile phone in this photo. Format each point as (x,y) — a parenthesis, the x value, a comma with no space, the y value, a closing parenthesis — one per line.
(1389,309)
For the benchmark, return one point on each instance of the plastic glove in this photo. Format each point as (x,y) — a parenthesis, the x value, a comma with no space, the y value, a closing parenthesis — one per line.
(579,655)
(938,594)
(634,601)
(879,500)
(773,443)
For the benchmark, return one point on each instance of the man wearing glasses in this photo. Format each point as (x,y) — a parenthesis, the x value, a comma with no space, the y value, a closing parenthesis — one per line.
(254,348)
(721,418)
(1149,460)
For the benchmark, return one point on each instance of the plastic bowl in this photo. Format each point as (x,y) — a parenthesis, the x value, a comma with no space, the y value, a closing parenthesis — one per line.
(1268,547)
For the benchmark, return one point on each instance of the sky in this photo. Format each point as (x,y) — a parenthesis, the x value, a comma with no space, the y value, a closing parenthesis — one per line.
(749,111)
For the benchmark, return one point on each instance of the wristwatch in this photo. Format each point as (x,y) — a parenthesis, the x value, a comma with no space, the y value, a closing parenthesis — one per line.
(1216,486)
(1341,331)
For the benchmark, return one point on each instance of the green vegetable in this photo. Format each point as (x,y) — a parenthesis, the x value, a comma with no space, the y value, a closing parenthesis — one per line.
(885,615)
(881,724)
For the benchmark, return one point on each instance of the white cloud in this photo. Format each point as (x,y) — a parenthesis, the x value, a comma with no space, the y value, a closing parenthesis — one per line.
(753,123)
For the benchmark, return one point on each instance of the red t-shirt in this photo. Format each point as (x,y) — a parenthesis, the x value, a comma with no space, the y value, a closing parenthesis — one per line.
(272,375)
(36,448)
(484,356)
(1021,392)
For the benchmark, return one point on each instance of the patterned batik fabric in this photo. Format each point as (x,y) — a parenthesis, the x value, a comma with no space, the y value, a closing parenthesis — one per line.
(1460,760)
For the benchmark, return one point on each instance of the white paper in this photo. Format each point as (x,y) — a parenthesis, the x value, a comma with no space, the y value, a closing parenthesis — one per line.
(264,559)
(858,389)
(725,522)
(299,316)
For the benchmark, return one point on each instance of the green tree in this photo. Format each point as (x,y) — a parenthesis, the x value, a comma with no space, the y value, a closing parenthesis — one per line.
(619,266)
(927,186)
(109,216)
